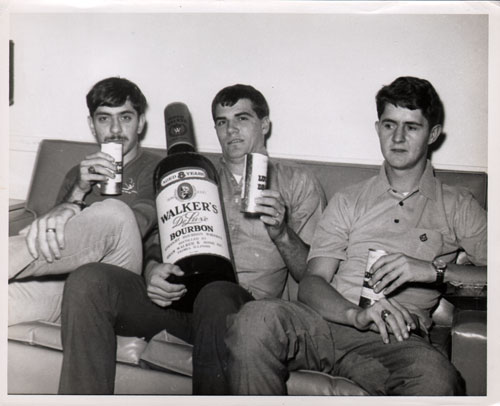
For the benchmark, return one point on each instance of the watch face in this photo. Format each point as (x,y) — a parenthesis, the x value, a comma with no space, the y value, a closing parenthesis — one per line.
(440,264)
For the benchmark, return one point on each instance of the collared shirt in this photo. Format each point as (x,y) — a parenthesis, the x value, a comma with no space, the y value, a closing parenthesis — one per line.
(436,220)
(259,265)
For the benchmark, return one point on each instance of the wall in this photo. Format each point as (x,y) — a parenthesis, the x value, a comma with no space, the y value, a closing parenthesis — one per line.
(319,72)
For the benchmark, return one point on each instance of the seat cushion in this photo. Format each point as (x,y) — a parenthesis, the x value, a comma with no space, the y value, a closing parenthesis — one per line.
(44,334)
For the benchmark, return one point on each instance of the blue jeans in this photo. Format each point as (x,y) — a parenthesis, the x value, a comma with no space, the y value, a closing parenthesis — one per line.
(269,338)
(101,301)
(105,232)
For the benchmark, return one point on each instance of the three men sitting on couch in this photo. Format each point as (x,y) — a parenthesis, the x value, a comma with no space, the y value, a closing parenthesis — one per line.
(384,348)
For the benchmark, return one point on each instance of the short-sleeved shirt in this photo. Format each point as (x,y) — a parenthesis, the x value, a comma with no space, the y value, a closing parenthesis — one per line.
(259,265)
(138,190)
(435,221)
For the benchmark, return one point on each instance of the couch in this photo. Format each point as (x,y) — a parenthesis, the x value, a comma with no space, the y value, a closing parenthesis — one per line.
(163,365)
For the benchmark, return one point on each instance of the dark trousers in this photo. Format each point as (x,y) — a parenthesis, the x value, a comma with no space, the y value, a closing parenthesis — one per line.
(101,301)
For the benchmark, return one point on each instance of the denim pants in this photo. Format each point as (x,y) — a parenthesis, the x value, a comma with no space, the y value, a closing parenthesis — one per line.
(269,338)
(105,232)
(101,301)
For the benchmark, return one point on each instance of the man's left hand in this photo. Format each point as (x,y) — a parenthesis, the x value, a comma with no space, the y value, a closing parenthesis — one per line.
(272,207)
(394,270)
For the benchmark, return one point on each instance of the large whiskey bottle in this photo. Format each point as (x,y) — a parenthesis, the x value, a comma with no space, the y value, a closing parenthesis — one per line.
(191,217)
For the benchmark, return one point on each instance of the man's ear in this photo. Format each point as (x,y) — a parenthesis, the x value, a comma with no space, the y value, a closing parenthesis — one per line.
(435,133)
(142,122)
(90,121)
(266,125)
(377,127)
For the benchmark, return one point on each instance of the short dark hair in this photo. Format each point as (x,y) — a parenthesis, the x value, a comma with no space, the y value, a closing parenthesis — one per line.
(114,92)
(412,93)
(230,95)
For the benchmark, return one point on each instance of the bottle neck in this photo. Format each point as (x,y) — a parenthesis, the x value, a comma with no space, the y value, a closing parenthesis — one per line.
(180,148)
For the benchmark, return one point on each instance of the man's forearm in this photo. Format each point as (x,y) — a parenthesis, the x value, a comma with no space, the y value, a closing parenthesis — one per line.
(465,274)
(293,251)
(74,194)
(315,292)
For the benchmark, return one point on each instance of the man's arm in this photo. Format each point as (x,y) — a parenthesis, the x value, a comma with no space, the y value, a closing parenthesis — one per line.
(316,291)
(83,179)
(394,270)
(292,249)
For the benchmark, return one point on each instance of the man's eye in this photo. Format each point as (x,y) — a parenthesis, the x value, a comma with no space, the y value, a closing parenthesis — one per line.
(412,128)
(102,119)
(126,118)
(220,123)
(243,118)
(388,126)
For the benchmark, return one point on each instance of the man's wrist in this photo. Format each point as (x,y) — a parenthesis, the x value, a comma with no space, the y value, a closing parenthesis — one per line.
(282,236)
(80,203)
(351,315)
(439,267)
(148,270)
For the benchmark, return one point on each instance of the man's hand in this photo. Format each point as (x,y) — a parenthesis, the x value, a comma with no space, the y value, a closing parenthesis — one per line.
(46,234)
(160,291)
(273,210)
(394,270)
(95,168)
(396,320)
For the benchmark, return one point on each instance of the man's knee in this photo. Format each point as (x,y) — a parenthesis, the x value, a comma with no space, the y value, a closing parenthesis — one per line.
(221,295)
(434,375)
(442,377)
(89,280)
(256,323)
(112,210)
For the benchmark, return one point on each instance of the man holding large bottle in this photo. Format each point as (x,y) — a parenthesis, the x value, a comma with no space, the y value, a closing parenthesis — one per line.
(98,304)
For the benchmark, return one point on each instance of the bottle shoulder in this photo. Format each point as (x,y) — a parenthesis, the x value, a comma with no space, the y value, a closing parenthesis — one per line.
(185,160)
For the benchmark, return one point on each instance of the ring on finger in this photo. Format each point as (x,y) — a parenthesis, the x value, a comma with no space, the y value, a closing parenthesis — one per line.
(50,230)
(91,169)
(384,314)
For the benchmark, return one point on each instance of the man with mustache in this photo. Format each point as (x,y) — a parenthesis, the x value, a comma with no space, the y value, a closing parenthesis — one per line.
(86,226)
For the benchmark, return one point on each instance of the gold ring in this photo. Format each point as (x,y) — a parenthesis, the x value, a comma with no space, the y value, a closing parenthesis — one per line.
(91,169)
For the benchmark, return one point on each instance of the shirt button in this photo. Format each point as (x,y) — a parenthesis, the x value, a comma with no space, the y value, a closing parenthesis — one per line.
(401,204)
(396,220)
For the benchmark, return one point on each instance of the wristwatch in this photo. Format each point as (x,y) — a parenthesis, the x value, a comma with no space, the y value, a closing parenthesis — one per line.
(440,268)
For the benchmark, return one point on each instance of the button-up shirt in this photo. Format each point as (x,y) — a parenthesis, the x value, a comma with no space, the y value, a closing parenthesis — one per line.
(435,220)
(259,265)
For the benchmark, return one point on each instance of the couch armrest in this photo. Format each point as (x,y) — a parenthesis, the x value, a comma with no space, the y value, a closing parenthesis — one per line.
(468,349)
(19,216)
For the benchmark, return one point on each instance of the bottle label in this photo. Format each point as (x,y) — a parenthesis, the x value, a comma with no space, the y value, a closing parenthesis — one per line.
(190,218)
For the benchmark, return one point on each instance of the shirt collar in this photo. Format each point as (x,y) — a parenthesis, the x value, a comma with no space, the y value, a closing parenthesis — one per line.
(426,186)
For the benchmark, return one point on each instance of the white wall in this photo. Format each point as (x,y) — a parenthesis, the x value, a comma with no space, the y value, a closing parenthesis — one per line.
(319,72)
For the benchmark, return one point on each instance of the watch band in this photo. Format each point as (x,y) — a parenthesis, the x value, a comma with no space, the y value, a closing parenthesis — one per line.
(80,203)
(440,268)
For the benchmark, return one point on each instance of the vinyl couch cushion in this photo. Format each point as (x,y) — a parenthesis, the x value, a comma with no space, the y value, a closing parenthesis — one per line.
(44,334)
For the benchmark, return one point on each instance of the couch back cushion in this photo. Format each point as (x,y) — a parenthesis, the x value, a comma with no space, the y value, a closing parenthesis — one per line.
(56,157)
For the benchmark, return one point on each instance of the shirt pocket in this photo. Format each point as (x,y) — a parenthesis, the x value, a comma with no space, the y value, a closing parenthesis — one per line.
(424,244)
